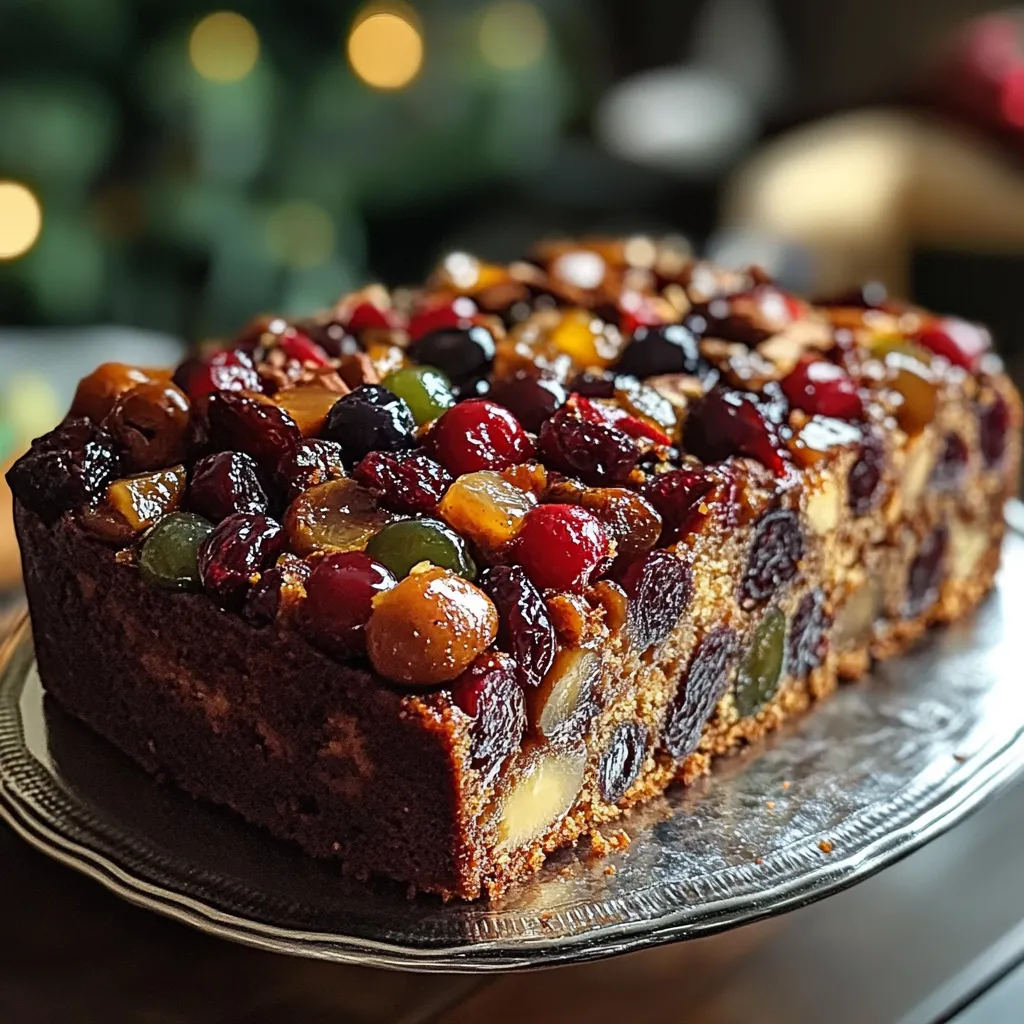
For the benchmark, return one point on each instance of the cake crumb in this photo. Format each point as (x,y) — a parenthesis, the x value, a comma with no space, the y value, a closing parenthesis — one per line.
(825,846)
(786,784)
(601,845)
(770,805)
(565,872)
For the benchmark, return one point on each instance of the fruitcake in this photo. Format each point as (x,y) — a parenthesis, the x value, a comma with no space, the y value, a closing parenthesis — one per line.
(440,580)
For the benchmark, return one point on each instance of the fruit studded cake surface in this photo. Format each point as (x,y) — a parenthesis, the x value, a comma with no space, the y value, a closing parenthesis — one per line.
(439,581)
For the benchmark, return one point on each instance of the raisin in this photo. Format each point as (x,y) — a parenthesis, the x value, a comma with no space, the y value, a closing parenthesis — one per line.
(775,552)
(700,690)
(622,762)
(926,572)
(659,586)
(808,634)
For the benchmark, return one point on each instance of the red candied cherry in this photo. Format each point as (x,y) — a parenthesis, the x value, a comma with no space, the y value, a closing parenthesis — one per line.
(479,434)
(339,598)
(823,389)
(458,313)
(959,341)
(560,546)
(298,345)
(408,482)
(238,549)
(728,423)
(368,317)
(228,370)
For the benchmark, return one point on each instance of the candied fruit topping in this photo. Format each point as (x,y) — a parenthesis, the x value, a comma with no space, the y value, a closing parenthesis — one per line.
(821,388)
(700,689)
(425,390)
(623,761)
(678,496)
(225,483)
(228,370)
(279,586)
(170,553)
(252,424)
(97,393)
(915,385)
(298,345)
(237,550)
(673,348)
(339,599)
(429,628)
(454,313)
(486,507)
(960,341)
(532,397)
(659,587)
(339,515)
(776,549)
(461,354)
(409,482)
(616,417)
(926,572)
(478,434)
(524,626)
(726,423)
(370,419)
(142,499)
(808,635)
(595,452)
(562,706)
(310,463)
(401,546)
(560,546)
(308,406)
(761,668)
(628,518)
(149,422)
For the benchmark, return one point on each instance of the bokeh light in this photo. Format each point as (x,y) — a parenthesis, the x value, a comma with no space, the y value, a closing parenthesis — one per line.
(21,219)
(385,47)
(512,34)
(224,47)
(300,234)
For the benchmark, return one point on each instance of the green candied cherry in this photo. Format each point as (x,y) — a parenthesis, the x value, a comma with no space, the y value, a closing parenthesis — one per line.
(408,542)
(761,669)
(169,556)
(425,390)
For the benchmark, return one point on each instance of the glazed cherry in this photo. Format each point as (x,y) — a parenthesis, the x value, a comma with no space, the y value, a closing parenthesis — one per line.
(410,482)
(460,354)
(444,316)
(560,546)
(926,572)
(821,388)
(994,427)
(524,626)
(489,693)
(622,762)
(311,462)
(339,598)
(240,547)
(225,483)
(479,434)
(369,419)
(775,552)
(530,397)
(227,370)
(241,423)
(808,635)
(659,587)
(296,344)
(959,341)
(700,689)
(951,464)
(595,452)
(677,496)
(672,348)
(865,479)
(726,423)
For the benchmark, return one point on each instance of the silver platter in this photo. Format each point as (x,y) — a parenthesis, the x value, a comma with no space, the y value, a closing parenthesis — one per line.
(878,770)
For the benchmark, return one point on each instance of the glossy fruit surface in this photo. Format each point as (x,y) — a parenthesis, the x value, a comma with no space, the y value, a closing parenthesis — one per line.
(728,423)
(339,515)
(808,635)
(677,497)
(700,689)
(774,559)
(486,507)
(170,553)
(478,434)
(149,422)
(560,546)
(425,390)
(308,406)
(443,316)
(97,393)
(596,453)
(228,370)
(622,762)
(310,463)
(960,341)
(224,483)
(410,482)
(369,419)
(821,388)
(524,626)
(628,518)
(429,628)
(530,397)
(243,423)
(238,548)
(917,391)
(401,545)
(461,354)
(298,345)
(339,599)
(143,499)
(761,668)
(659,587)
(673,348)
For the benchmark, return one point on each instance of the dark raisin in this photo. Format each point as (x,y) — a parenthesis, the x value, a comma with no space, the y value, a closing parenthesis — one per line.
(672,348)
(409,482)
(259,428)
(994,427)
(524,626)
(926,572)
(726,423)
(659,586)
(677,496)
(621,763)
(462,355)
(530,397)
(310,462)
(775,552)
(370,419)
(225,483)
(595,453)
(808,634)
(593,385)
(951,464)
(700,690)
(240,547)
(865,480)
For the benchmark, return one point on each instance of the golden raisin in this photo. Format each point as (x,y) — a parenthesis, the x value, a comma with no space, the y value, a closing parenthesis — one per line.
(339,515)
(143,499)
(486,508)
(150,422)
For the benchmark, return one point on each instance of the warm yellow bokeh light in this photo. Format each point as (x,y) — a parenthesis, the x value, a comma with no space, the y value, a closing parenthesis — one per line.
(385,48)
(224,47)
(21,219)
(301,234)
(513,34)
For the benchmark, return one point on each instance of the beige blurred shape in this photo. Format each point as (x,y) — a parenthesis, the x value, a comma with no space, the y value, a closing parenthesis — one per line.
(860,191)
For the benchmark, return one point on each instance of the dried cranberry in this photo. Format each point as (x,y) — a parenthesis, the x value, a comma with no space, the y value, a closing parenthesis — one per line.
(560,546)
(479,434)
(460,354)
(530,397)
(959,341)
(775,552)
(673,348)
(228,370)
(241,546)
(824,389)
(311,462)
(994,428)
(264,600)
(659,586)
(370,419)
(524,626)
(951,464)
(295,344)
(700,690)
(808,635)
(622,762)
(404,481)
(677,496)
(243,424)
(65,469)
(488,692)
(339,598)
(594,452)
(865,479)
(926,572)
(443,316)
(225,483)
(726,423)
